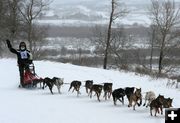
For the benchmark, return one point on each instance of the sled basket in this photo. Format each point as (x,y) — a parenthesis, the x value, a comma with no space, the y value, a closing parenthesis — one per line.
(30,77)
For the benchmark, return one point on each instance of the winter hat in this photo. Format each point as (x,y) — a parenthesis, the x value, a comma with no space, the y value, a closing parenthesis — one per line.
(22,44)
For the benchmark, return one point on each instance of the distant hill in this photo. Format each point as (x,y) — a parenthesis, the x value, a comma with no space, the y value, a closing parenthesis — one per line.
(96,11)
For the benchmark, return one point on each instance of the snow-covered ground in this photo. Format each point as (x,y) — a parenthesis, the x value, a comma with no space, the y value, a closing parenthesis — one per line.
(39,106)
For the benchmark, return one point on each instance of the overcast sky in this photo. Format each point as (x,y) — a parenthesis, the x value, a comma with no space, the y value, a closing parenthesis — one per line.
(57,3)
(78,1)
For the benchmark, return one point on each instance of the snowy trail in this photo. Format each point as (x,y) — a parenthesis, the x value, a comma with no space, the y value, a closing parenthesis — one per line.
(39,106)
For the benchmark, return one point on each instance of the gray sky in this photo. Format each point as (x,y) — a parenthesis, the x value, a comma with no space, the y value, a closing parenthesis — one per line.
(78,1)
(56,3)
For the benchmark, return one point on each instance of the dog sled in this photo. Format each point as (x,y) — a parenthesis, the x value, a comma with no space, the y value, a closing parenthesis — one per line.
(31,79)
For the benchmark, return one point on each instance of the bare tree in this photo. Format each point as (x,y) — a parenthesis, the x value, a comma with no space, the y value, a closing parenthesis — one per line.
(39,34)
(6,22)
(2,22)
(119,43)
(99,39)
(166,16)
(13,21)
(30,10)
(153,32)
(116,12)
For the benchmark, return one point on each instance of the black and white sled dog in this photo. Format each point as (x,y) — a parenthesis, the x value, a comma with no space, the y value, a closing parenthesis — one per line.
(150,96)
(58,82)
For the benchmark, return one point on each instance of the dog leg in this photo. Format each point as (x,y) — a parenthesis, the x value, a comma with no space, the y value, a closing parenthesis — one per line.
(128,97)
(58,87)
(105,95)
(98,97)
(86,90)
(109,95)
(148,103)
(134,105)
(123,100)
(161,110)
(156,110)
(139,104)
(70,88)
(50,88)
(120,100)
(95,94)
(115,100)
(90,94)
(144,102)
(43,85)
(151,111)
(99,93)
(40,84)
(73,90)
(78,92)
(130,103)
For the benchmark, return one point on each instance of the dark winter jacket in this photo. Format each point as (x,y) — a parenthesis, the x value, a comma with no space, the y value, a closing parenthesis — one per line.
(24,56)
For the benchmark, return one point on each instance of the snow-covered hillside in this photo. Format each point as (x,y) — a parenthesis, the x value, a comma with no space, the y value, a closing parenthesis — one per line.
(39,106)
(92,12)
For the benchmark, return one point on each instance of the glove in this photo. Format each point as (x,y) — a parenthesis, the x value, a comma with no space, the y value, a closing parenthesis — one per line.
(8,43)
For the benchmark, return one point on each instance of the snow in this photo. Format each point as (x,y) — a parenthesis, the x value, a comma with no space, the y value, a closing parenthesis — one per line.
(39,106)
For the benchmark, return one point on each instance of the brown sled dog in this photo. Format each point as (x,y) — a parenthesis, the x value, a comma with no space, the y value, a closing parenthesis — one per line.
(135,97)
